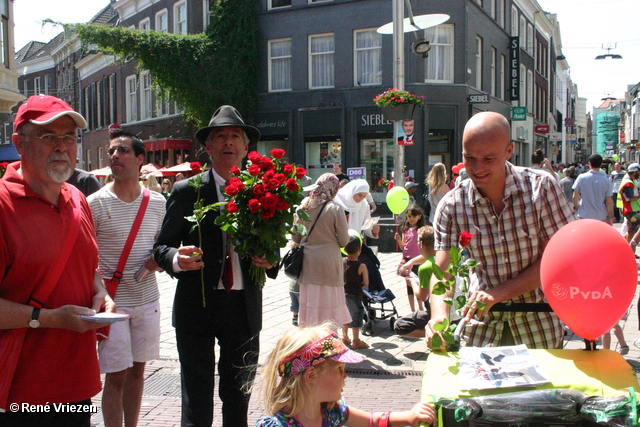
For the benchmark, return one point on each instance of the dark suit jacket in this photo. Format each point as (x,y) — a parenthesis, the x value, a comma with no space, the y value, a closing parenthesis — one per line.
(188,311)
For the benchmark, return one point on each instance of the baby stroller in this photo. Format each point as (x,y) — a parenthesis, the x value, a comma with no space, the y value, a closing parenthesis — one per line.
(374,303)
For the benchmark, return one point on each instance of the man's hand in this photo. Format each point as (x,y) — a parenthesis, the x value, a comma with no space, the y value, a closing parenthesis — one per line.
(151,265)
(375,231)
(430,332)
(261,262)
(472,309)
(101,301)
(68,317)
(190,258)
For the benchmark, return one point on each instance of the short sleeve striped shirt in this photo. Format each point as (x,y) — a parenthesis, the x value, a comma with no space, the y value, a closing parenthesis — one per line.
(505,245)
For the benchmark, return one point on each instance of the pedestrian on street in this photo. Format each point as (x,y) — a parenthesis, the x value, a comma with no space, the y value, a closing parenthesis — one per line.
(616,179)
(233,311)
(512,212)
(49,261)
(629,200)
(592,193)
(135,341)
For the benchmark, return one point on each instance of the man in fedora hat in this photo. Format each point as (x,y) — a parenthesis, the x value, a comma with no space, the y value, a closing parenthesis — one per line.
(233,310)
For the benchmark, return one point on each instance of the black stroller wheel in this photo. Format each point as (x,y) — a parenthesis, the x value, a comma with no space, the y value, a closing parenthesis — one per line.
(392,322)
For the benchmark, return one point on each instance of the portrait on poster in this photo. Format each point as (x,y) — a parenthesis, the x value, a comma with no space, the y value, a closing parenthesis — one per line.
(406,130)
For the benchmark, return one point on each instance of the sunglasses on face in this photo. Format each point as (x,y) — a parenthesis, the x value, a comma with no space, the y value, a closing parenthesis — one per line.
(121,149)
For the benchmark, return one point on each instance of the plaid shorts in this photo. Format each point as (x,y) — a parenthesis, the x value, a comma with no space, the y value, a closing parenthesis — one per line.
(633,222)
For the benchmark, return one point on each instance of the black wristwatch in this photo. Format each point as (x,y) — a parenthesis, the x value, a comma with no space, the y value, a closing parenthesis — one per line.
(34,322)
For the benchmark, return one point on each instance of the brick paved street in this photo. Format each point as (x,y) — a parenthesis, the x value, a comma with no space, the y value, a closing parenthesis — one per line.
(389,378)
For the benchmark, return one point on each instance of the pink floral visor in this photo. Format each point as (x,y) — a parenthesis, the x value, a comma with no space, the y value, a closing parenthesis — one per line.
(329,347)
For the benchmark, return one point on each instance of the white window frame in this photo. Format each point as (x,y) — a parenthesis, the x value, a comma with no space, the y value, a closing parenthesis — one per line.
(99,120)
(493,11)
(369,52)
(87,156)
(131,90)
(514,21)
(503,69)
(146,99)
(87,105)
(523,32)
(441,55)
(523,85)
(494,59)
(530,92)
(273,60)
(478,76)
(36,86)
(314,55)
(180,22)
(206,14)
(100,158)
(531,45)
(145,25)
(48,84)
(159,20)
(112,83)
(318,1)
(280,6)
(25,87)
(501,12)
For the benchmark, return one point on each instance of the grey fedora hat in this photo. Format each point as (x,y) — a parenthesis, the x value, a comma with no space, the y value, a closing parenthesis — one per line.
(227,116)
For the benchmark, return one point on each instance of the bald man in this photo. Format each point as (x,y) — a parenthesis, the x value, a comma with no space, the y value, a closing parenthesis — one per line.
(512,213)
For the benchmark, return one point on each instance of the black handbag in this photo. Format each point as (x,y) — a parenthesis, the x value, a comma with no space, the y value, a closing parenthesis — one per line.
(292,260)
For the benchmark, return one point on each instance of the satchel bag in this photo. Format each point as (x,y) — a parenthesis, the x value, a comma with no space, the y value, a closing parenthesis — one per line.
(111,285)
(292,260)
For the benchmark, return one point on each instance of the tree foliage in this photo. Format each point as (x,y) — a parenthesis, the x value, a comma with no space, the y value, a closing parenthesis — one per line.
(200,71)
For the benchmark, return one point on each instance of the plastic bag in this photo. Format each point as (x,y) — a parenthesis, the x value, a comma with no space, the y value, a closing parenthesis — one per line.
(620,410)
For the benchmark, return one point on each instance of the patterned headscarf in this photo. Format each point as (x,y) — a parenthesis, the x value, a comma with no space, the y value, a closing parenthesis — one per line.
(326,189)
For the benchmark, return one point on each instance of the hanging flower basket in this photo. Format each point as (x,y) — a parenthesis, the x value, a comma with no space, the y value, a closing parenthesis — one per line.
(400,112)
(398,104)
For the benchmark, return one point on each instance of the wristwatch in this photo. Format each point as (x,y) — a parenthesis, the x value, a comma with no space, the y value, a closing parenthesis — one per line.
(34,322)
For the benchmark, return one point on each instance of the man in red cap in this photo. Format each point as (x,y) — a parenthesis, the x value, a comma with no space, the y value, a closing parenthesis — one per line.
(49,257)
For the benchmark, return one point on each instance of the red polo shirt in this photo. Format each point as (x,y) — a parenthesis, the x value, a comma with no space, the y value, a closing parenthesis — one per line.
(56,365)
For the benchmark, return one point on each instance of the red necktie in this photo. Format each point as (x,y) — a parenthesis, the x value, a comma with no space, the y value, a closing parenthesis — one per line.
(227,272)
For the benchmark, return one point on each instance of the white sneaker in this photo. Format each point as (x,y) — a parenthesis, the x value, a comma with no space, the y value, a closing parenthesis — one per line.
(636,343)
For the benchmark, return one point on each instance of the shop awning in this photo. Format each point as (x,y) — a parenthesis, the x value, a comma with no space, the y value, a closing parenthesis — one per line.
(167,144)
(8,153)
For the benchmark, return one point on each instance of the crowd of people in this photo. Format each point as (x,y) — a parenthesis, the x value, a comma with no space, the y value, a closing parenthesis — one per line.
(121,233)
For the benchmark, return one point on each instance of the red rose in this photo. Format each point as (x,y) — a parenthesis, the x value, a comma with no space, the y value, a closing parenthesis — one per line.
(196,167)
(267,164)
(237,182)
(232,207)
(255,157)
(465,238)
(280,178)
(267,213)
(282,204)
(278,153)
(272,184)
(267,175)
(255,169)
(287,169)
(231,190)
(390,185)
(300,172)
(258,190)
(292,184)
(235,170)
(254,205)
(269,200)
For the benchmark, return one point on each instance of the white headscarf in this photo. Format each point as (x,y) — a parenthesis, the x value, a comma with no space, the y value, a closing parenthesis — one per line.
(358,212)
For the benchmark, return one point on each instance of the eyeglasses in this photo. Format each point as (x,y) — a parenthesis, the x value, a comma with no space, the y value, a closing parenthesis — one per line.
(51,139)
(121,149)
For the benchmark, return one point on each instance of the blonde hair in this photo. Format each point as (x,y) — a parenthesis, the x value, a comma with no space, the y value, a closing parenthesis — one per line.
(152,183)
(426,236)
(289,394)
(437,177)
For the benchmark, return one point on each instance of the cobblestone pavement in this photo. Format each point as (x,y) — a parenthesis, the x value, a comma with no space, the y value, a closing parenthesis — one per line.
(389,378)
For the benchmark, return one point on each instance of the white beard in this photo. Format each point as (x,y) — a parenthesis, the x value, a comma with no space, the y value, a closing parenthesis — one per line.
(60,173)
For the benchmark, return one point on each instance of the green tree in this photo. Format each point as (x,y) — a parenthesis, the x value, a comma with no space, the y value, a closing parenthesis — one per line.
(201,71)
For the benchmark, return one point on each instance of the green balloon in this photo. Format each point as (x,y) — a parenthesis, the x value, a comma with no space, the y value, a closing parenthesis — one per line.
(615,157)
(352,232)
(397,200)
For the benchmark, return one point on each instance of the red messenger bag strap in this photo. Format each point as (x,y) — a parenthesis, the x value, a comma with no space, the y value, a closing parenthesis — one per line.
(112,285)
(11,341)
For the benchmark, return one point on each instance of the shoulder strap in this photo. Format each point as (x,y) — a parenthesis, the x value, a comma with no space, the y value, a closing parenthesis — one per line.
(43,291)
(117,275)
(314,222)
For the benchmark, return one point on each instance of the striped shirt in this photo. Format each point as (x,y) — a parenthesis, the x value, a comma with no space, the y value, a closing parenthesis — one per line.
(113,219)
(505,245)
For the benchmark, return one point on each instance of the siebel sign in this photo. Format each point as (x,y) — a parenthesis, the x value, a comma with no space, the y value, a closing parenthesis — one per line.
(478,99)
(514,67)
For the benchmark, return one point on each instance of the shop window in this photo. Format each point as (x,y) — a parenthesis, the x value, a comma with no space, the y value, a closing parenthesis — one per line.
(376,156)
(321,156)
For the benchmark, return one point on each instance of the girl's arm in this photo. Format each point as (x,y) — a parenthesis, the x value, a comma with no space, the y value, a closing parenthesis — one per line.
(362,270)
(420,412)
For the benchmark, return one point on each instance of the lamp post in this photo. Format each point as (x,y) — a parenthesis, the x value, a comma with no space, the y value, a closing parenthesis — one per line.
(398,82)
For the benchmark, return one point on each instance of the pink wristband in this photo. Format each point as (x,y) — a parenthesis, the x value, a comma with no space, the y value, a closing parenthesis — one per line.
(384,420)
(370,419)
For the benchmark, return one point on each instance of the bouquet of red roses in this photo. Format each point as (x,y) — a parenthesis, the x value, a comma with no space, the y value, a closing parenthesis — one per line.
(3,168)
(259,206)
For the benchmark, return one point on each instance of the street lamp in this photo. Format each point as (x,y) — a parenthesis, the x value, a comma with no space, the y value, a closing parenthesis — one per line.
(420,47)
(609,54)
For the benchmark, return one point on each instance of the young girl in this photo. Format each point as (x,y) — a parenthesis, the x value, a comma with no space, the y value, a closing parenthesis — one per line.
(302,385)
(409,242)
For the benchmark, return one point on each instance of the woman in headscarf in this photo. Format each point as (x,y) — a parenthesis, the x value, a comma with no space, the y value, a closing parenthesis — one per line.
(352,198)
(322,277)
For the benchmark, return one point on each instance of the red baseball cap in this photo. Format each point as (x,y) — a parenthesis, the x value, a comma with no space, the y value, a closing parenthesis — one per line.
(44,109)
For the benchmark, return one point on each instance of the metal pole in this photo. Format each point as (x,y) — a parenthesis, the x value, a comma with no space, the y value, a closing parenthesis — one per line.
(398,82)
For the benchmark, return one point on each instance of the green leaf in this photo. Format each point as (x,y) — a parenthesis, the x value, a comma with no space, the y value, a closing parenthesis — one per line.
(460,301)
(454,254)
(303,215)
(436,341)
(439,289)
(439,327)
(300,229)
(437,271)
(448,337)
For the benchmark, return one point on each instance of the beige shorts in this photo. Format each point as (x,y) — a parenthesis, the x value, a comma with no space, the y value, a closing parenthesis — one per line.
(136,339)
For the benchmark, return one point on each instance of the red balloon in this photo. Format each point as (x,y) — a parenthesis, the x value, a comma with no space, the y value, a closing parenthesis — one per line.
(589,276)
(457,168)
